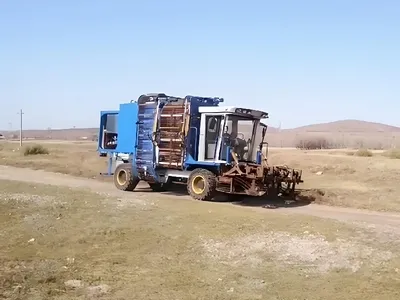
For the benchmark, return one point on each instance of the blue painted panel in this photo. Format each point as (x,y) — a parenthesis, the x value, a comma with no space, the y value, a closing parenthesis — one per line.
(228,155)
(259,157)
(194,132)
(145,157)
(191,164)
(127,130)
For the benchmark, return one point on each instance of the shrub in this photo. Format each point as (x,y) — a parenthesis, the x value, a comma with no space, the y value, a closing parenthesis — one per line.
(392,153)
(363,153)
(35,150)
(314,144)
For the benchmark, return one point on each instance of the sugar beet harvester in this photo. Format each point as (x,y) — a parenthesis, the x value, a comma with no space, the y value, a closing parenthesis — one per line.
(192,140)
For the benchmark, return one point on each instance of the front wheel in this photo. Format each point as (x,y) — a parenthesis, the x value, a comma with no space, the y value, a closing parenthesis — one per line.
(124,179)
(202,184)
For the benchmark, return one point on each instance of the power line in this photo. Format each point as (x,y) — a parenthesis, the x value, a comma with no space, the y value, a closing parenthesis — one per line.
(20,128)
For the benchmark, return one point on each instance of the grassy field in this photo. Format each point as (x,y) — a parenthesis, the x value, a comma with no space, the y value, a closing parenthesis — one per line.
(61,243)
(331,177)
(75,158)
(346,179)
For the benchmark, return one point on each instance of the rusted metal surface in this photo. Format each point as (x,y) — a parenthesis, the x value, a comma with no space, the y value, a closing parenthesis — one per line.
(256,180)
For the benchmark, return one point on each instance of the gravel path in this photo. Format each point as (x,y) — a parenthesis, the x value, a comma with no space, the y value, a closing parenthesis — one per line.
(370,219)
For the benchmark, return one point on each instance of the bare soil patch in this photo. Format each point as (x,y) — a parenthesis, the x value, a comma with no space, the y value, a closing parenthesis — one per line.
(312,253)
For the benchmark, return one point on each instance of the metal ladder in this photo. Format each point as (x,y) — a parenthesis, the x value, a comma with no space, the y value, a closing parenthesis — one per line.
(171,133)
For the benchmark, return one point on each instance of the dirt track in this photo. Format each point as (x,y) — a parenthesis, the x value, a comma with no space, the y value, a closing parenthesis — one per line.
(378,220)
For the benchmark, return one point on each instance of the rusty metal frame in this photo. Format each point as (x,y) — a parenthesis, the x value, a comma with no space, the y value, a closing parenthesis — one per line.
(255,180)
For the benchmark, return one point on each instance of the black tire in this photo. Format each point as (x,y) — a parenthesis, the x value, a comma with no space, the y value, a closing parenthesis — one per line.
(124,179)
(159,187)
(202,185)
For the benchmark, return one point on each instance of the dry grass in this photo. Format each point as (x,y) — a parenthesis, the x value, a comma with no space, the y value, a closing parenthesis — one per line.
(144,248)
(35,150)
(363,153)
(393,153)
(368,139)
(347,180)
(76,158)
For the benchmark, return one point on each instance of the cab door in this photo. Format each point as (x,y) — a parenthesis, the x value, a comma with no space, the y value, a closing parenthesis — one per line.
(213,129)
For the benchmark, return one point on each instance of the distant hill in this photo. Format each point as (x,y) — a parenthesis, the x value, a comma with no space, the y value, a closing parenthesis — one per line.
(344,133)
(340,134)
(69,134)
(346,126)
(272,129)
(56,134)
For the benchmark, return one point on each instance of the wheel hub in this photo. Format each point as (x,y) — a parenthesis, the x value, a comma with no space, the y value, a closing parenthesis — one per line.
(198,185)
(121,177)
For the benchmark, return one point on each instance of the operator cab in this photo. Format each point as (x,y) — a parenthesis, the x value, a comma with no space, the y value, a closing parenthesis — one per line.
(108,134)
(233,127)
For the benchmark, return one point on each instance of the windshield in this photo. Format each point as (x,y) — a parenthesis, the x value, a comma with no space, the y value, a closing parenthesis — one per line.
(243,135)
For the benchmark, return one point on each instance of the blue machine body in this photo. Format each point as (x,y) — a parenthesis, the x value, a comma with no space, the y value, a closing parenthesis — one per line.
(133,126)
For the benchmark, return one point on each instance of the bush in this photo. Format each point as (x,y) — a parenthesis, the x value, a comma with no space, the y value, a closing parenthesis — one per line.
(392,153)
(314,144)
(35,150)
(363,153)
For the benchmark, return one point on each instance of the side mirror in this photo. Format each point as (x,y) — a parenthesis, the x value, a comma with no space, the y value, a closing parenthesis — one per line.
(264,131)
(226,129)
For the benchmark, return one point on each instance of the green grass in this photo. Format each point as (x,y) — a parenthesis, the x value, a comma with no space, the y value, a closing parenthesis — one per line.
(148,248)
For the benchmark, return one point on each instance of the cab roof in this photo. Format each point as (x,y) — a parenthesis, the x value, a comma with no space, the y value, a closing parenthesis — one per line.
(258,114)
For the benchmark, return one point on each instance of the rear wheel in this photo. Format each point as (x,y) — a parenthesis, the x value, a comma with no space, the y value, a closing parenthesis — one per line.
(124,179)
(202,184)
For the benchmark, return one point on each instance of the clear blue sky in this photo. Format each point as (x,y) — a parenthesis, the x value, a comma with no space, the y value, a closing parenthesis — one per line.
(302,61)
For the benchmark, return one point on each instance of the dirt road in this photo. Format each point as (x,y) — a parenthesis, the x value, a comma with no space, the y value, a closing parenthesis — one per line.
(386,221)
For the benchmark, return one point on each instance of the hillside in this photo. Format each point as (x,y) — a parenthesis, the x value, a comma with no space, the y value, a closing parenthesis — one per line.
(346,126)
(340,134)
(57,134)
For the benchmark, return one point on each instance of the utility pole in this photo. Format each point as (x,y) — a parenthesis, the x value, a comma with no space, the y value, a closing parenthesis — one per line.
(20,128)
